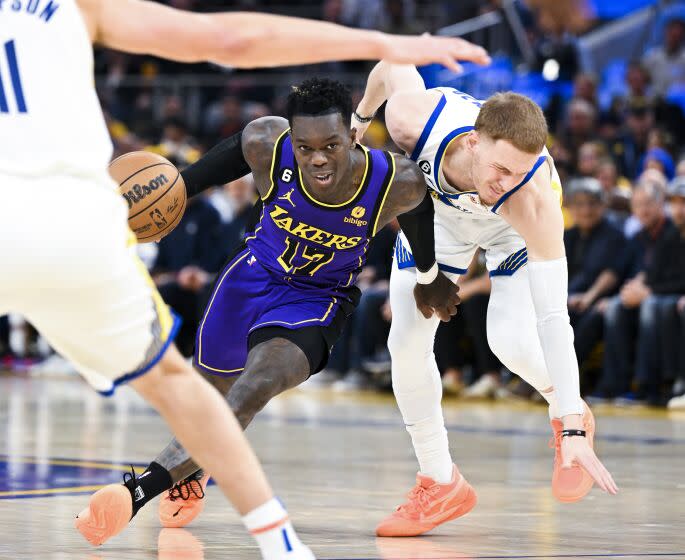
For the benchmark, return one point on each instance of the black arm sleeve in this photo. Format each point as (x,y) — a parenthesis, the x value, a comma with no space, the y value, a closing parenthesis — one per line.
(417,225)
(222,164)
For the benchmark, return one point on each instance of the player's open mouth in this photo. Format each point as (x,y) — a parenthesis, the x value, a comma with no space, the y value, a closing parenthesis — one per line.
(324,179)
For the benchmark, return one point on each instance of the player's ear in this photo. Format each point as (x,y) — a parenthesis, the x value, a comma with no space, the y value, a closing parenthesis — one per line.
(353,136)
(472,140)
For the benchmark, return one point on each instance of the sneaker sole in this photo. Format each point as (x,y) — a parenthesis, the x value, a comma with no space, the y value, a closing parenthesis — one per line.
(173,519)
(107,514)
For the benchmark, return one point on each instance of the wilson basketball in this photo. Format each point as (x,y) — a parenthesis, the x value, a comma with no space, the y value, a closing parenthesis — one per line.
(154,191)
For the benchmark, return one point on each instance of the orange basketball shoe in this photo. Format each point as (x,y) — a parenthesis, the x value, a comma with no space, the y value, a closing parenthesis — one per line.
(571,485)
(429,505)
(108,512)
(184,502)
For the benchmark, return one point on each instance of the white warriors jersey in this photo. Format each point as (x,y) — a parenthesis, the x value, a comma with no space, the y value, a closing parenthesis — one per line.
(50,118)
(462,221)
(454,115)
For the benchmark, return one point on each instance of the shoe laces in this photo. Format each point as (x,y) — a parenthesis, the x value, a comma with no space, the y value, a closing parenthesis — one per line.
(188,487)
(130,479)
(419,499)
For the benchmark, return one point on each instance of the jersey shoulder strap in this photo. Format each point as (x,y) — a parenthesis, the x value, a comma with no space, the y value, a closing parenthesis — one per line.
(282,154)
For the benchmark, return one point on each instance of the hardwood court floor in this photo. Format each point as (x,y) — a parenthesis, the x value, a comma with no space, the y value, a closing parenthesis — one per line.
(340,462)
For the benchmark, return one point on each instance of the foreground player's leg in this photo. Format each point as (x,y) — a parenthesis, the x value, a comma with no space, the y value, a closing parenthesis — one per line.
(511,311)
(272,367)
(441,492)
(167,387)
(184,501)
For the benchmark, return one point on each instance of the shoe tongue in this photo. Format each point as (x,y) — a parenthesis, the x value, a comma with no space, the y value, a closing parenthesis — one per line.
(424,481)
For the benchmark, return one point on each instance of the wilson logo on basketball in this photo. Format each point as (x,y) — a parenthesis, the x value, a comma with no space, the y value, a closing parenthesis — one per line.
(139,192)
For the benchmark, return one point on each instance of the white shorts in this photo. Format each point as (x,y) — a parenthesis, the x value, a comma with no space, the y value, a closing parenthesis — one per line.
(458,236)
(69,266)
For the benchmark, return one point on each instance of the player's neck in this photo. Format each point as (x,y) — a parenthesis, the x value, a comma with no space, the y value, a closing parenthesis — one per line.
(347,185)
(457,164)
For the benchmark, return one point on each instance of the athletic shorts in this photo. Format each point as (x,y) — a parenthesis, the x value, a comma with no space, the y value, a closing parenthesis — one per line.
(70,268)
(250,305)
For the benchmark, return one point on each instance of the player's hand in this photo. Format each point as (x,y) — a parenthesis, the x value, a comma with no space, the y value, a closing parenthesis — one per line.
(427,49)
(360,129)
(440,297)
(578,450)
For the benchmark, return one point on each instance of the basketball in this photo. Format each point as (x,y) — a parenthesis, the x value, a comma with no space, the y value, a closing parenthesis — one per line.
(154,191)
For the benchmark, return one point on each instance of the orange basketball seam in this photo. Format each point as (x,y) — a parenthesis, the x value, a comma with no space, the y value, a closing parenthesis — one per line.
(143,169)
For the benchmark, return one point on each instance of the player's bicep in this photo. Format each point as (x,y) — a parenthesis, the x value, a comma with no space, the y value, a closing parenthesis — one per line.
(403,78)
(407,113)
(259,139)
(140,26)
(537,216)
(407,190)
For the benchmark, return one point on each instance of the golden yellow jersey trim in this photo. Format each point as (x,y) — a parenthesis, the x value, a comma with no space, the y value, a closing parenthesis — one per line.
(353,197)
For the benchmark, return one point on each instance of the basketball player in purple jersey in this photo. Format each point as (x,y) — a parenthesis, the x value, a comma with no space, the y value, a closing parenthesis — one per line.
(281,302)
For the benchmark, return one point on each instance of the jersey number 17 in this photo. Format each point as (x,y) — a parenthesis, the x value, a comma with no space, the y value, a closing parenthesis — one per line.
(14,80)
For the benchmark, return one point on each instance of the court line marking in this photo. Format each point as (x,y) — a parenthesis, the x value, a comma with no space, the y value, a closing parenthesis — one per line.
(471,557)
(460,428)
(63,462)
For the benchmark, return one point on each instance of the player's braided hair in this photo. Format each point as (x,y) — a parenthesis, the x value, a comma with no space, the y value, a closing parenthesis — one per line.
(319,96)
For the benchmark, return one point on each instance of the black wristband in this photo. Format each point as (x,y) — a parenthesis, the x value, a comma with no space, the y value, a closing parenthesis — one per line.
(571,433)
(419,229)
(363,119)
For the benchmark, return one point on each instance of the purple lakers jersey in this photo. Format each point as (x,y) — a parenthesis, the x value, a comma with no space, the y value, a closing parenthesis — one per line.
(310,243)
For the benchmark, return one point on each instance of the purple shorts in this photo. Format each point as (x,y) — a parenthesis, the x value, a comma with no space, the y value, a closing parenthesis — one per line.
(245,298)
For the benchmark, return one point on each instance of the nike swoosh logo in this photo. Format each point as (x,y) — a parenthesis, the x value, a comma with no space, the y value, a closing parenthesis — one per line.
(179,511)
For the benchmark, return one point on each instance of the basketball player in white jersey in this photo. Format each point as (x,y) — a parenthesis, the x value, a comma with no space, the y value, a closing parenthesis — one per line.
(67,254)
(494,186)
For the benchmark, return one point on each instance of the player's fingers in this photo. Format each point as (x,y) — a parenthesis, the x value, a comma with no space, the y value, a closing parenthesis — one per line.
(609,483)
(444,314)
(452,64)
(425,310)
(463,50)
(599,473)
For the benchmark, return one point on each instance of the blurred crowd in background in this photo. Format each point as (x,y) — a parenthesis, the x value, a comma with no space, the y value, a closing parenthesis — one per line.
(617,139)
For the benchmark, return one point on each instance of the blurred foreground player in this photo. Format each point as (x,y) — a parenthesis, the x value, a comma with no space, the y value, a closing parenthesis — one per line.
(67,253)
(282,301)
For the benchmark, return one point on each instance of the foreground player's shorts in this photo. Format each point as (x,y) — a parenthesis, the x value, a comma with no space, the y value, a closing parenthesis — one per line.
(69,266)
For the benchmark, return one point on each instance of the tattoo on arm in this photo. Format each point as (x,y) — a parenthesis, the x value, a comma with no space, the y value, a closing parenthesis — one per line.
(259,138)
(407,191)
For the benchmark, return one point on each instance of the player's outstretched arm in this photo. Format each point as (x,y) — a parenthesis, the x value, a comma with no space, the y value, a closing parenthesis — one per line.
(409,103)
(221,164)
(235,156)
(535,213)
(248,40)
(410,201)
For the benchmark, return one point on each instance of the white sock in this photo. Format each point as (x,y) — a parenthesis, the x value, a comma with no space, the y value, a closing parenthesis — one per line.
(275,535)
(551,399)
(432,448)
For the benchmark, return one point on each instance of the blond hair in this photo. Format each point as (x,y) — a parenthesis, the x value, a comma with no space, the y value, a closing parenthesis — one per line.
(514,118)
